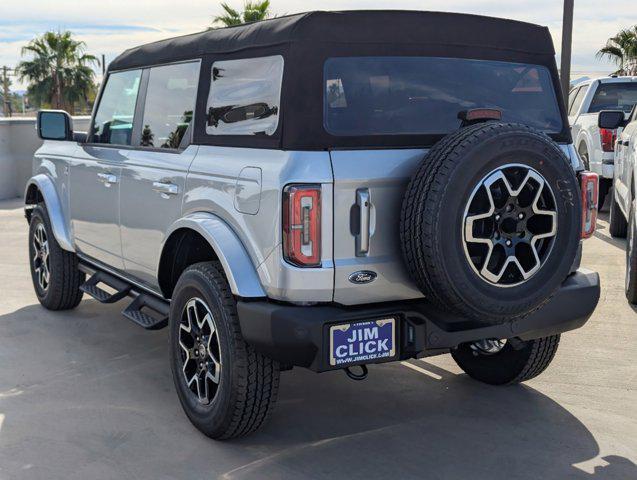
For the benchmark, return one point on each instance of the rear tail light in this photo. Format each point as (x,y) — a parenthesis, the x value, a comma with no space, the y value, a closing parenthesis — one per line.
(608,138)
(589,183)
(302,225)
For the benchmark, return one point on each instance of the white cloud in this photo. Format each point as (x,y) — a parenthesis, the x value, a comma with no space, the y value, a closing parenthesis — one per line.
(110,26)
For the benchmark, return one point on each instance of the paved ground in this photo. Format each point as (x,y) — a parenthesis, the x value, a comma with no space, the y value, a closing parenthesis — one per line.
(88,395)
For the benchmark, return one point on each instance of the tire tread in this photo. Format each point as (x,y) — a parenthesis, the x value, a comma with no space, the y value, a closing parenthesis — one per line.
(257,390)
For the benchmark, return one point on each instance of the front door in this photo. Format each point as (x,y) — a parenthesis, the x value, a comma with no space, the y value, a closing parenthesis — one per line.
(624,162)
(95,174)
(94,180)
(154,173)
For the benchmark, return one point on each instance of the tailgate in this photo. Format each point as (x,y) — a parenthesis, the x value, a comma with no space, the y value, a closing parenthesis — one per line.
(368,194)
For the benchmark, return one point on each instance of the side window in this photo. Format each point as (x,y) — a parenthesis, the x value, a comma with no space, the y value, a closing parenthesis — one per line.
(245,96)
(576,102)
(170,101)
(571,97)
(113,123)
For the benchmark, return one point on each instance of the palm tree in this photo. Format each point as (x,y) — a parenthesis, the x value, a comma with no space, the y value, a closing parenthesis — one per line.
(253,11)
(622,50)
(60,73)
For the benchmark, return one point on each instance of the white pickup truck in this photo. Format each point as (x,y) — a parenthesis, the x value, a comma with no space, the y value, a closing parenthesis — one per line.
(596,146)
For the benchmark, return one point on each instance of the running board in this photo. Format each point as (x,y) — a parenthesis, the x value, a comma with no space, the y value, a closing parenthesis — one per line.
(122,289)
(145,310)
(147,302)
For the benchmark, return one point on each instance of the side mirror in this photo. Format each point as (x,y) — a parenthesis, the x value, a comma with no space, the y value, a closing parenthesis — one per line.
(611,119)
(54,125)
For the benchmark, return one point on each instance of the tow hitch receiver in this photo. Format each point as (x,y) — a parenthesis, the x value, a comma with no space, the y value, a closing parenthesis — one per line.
(356,376)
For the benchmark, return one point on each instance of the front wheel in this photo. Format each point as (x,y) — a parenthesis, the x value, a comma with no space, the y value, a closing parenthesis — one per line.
(617,224)
(226,388)
(631,257)
(55,272)
(502,362)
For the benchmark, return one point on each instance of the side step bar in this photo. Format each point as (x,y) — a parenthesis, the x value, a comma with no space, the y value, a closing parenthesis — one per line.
(90,287)
(142,302)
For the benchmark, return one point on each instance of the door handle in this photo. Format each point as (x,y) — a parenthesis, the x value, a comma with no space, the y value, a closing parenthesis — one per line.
(362,238)
(107,178)
(166,188)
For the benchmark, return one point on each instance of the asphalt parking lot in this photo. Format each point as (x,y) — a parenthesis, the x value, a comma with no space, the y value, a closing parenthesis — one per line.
(88,395)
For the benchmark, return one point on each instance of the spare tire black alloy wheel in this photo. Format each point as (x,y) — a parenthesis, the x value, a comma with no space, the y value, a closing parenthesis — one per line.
(200,355)
(509,223)
(490,223)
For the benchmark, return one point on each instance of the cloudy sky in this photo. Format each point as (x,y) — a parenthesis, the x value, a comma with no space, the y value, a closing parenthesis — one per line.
(110,26)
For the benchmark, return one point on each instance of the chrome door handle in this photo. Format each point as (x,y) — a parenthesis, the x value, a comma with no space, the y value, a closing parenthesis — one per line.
(362,239)
(107,178)
(166,188)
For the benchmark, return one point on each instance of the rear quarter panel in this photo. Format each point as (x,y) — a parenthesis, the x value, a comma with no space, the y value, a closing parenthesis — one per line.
(215,184)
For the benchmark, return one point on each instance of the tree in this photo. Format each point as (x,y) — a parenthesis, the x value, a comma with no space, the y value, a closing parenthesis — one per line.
(622,50)
(60,73)
(253,11)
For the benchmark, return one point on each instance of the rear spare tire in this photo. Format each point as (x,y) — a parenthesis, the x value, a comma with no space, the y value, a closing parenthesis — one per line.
(490,223)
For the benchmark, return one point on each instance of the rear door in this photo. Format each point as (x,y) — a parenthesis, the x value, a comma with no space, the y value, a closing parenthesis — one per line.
(154,173)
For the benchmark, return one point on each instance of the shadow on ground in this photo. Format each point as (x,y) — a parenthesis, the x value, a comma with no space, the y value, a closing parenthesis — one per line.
(86,394)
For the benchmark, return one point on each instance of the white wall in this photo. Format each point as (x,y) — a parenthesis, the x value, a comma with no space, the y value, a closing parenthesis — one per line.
(18,143)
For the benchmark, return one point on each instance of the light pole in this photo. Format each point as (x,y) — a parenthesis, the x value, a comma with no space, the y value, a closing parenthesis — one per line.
(567,42)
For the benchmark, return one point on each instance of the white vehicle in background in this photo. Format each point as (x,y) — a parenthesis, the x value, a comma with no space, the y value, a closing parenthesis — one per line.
(624,201)
(596,146)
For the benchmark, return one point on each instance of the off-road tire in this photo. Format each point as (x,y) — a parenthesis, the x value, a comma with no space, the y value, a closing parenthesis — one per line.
(510,365)
(249,383)
(618,226)
(432,218)
(631,257)
(63,291)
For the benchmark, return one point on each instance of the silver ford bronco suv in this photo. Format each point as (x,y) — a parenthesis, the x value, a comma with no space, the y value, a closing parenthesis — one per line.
(325,190)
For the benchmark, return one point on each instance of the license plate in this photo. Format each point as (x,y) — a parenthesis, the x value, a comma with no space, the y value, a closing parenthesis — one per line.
(362,341)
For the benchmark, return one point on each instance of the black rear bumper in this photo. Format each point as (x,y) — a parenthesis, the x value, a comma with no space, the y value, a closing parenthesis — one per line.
(299,336)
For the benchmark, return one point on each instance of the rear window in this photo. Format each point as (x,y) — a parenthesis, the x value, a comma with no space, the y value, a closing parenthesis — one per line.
(423,95)
(614,96)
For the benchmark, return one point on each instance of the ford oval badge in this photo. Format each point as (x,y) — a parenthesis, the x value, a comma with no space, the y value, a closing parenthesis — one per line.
(362,277)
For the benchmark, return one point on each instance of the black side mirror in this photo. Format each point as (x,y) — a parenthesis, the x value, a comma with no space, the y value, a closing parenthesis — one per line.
(54,125)
(611,119)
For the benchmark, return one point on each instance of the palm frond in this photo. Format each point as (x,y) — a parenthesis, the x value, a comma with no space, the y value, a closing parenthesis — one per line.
(229,18)
(253,11)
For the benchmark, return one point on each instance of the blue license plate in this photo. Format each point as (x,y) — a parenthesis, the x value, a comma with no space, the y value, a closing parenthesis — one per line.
(362,341)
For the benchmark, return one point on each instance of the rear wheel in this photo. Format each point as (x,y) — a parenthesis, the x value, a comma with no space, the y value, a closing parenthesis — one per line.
(226,388)
(54,271)
(583,154)
(618,226)
(501,362)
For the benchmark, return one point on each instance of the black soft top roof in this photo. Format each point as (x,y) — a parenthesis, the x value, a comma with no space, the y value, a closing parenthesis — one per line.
(307,40)
(439,29)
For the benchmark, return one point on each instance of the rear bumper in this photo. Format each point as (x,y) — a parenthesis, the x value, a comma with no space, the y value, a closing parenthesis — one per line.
(299,336)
